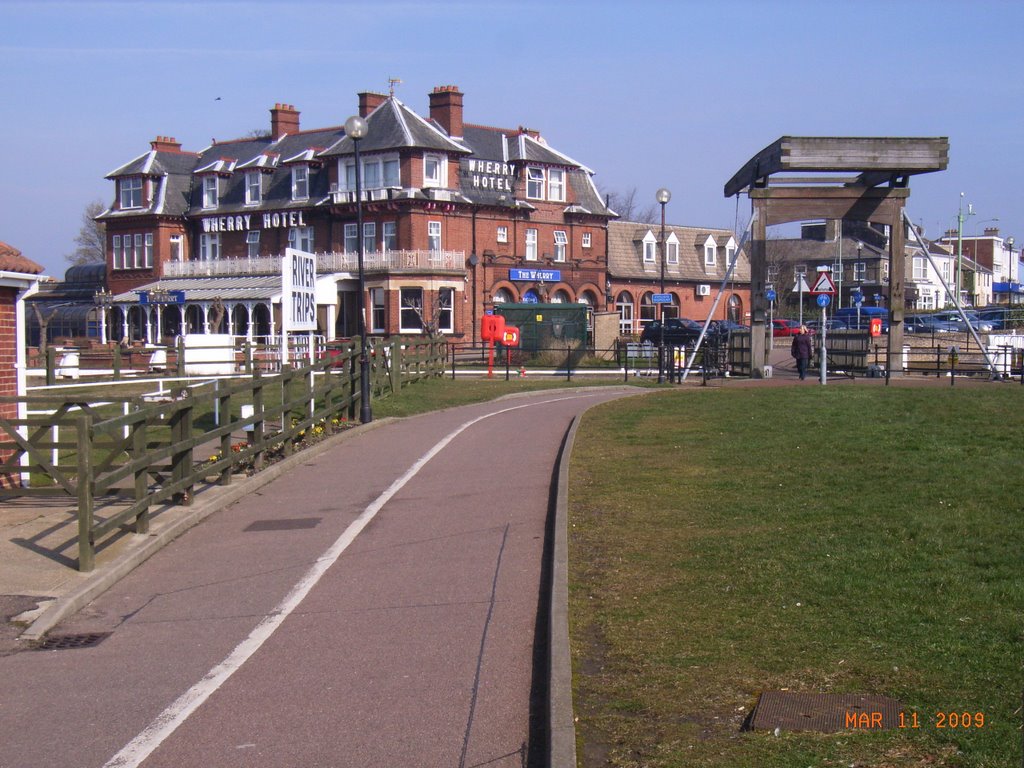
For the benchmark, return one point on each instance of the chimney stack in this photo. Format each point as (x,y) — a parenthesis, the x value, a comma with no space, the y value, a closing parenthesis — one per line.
(369,101)
(165,144)
(446,109)
(284,118)
(991,231)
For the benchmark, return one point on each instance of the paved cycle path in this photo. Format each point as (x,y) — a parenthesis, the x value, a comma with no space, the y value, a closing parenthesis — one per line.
(375,606)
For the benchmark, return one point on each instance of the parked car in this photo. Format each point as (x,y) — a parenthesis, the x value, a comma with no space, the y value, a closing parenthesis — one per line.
(1001,318)
(679,331)
(722,327)
(832,324)
(928,324)
(785,327)
(951,315)
(851,316)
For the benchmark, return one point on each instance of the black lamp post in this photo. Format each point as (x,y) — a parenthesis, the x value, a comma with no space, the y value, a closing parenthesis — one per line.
(355,129)
(662,196)
(103,299)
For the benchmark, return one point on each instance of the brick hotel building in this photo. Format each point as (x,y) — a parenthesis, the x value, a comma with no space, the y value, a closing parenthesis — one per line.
(456,218)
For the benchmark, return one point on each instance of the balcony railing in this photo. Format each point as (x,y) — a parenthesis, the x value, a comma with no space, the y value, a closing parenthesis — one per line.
(326,263)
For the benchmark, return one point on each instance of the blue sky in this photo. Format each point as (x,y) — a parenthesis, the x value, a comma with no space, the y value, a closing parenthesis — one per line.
(646,94)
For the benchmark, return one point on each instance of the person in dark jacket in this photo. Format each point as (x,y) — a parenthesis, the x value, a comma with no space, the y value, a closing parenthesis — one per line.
(802,349)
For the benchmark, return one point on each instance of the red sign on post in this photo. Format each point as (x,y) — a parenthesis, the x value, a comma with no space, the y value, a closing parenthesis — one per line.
(511,336)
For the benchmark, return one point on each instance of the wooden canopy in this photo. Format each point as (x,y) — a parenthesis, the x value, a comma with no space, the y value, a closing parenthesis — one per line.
(875,160)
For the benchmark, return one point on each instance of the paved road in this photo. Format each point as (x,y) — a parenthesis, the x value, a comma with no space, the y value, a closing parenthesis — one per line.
(374,607)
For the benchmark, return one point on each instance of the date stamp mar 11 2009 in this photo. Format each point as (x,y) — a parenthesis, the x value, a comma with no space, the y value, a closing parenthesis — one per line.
(864,720)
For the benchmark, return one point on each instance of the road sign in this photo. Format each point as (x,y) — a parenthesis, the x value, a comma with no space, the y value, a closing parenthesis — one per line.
(858,298)
(824,284)
(824,300)
(770,295)
(661,298)
(800,286)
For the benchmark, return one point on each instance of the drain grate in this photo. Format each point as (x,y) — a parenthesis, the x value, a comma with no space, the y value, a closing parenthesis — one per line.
(69,642)
(291,524)
(823,712)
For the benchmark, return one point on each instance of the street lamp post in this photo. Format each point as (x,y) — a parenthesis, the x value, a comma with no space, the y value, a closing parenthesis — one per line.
(355,129)
(103,299)
(662,196)
(1009,271)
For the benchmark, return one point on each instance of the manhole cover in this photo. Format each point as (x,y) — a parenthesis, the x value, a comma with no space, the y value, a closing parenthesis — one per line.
(823,712)
(283,525)
(69,642)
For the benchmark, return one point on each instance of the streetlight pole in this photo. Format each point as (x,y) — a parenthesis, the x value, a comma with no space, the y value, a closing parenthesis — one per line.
(662,196)
(355,129)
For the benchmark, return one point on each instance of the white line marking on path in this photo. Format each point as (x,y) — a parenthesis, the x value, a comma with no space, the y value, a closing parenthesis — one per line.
(167,722)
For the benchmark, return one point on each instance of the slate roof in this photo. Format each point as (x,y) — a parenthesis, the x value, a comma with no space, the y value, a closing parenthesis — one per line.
(392,126)
(625,253)
(11,260)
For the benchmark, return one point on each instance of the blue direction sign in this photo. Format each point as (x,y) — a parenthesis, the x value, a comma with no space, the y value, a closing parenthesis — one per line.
(824,300)
(661,298)
(769,294)
(858,298)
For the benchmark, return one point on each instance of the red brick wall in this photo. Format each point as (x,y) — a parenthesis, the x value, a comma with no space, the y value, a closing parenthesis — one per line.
(8,357)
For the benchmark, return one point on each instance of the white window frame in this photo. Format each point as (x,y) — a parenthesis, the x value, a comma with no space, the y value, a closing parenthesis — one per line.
(710,255)
(177,248)
(115,251)
(585,240)
(300,182)
(531,245)
(556,184)
(561,241)
(131,192)
(378,311)
(389,236)
(253,188)
(209,246)
(252,243)
(920,266)
(392,181)
(301,239)
(625,306)
(409,312)
(440,179)
(137,257)
(730,251)
(369,236)
(534,182)
(502,235)
(434,236)
(147,252)
(860,271)
(211,192)
(351,235)
(446,311)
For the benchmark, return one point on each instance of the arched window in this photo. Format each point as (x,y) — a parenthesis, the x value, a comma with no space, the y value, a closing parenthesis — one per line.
(624,306)
(501,296)
(559,297)
(648,310)
(735,309)
(588,298)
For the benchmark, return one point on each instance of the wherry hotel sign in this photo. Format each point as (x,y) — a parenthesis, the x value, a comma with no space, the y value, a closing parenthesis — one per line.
(244,222)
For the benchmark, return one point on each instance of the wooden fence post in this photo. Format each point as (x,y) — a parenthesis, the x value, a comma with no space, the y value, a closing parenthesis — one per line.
(181,356)
(257,427)
(139,448)
(51,366)
(86,553)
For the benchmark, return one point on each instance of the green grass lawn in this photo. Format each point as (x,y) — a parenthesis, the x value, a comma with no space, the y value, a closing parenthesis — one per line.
(834,540)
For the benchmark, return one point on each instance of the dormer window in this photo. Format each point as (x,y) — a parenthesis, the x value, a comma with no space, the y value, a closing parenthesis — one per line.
(131,192)
(649,248)
(253,188)
(730,251)
(672,249)
(556,184)
(379,172)
(534,183)
(210,192)
(434,171)
(300,182)
(710,254)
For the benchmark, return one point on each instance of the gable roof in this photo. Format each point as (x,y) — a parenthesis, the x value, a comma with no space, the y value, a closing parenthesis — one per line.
(11,260)
(392,125)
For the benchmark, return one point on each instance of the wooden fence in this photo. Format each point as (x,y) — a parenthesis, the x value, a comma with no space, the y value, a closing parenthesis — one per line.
(123,456)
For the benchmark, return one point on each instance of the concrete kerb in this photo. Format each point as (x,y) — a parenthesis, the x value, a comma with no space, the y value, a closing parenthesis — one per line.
(561,722)
(216,498)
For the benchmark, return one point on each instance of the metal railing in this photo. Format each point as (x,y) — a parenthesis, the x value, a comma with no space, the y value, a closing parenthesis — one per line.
(326,263)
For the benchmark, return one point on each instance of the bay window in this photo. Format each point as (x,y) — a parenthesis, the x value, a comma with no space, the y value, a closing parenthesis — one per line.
(378,311)
(411,308)
(445,313)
